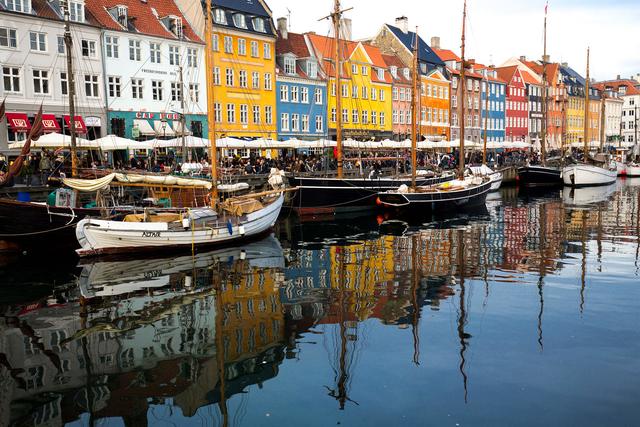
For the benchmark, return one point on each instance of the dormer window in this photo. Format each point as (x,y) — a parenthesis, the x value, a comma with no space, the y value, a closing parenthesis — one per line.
(312,69)
(23,6)
(258,25)
(175,26)
(380,74)
(423,68)
(219,17)
(394,71)
(76,11)
(240,21)
(289,65)
(120,14)
(405,72)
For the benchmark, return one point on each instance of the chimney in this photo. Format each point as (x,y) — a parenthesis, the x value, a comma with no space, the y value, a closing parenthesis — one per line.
(523,58)
(546,59)
(435,42)
(346,29)
(565,64)
(618,77)
(403,24)
(282,28)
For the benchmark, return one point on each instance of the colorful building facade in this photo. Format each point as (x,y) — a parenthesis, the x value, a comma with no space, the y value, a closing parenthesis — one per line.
(493,97)
(516,111)
(400,97)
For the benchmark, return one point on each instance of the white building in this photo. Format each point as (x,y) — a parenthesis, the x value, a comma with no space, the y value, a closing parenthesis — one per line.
(152,58)
(34,69)
(612,117)
(629,92)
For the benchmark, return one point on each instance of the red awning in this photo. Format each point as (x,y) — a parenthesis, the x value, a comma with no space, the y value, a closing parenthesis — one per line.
(50,124)
(81,128)
(18,122)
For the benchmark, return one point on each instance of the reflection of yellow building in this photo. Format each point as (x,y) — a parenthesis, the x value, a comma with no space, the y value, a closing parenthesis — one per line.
(365,88)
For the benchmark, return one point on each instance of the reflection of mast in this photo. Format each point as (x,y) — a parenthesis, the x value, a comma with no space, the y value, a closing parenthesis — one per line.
(638,229)
(414,299)
(86,357)
(542,269)
(599,238)
(462,314)
(583,276)
(220,347)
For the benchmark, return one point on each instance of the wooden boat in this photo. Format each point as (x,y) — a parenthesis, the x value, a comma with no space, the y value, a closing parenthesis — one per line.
(495,176)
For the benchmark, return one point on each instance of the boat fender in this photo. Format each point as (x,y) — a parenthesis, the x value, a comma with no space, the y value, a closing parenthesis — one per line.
(241,230)
(243,254)
(186,223)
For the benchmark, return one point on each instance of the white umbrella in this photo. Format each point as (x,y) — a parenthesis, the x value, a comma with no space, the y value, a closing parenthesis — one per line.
(113,142)
(55,140)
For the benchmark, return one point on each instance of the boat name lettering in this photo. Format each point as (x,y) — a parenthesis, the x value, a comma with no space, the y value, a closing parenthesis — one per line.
(150,234)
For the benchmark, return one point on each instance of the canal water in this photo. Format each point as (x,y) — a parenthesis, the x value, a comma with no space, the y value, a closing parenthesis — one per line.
(525,313)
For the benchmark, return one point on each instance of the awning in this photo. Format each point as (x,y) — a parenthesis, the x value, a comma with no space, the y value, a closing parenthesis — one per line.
(50,124)
(177,127)
(18,122)
(144,128)
(163,129)
(80,127)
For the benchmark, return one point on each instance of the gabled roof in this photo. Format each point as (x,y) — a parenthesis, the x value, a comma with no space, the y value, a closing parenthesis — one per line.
(446,55)
(394,61)
(631,86)
(467,74)
(529,78)
(254,7)
(144,16)
(507,73)
(294,43)
(425,53)
(49,10)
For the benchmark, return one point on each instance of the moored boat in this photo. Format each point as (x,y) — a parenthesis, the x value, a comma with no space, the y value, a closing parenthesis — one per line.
(495,176)
(633,170)
(586,175)
(538,176)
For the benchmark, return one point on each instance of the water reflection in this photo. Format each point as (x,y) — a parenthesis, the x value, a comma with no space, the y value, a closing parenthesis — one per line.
(325,310)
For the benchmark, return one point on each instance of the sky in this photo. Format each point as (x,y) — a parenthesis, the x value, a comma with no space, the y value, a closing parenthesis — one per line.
(499,29)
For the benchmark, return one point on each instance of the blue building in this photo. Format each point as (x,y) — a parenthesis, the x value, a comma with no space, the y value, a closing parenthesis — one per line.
(301,97)
(493,100)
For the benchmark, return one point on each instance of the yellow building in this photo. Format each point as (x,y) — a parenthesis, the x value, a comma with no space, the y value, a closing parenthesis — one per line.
(365,88)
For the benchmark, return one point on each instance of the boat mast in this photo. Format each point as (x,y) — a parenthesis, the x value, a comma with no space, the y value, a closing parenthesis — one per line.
(462,89)
(182,117)
(68,42)
(213,157)
(543,131)
(602,121)
(414,113)
(586,112)
(336,16)
(486,118)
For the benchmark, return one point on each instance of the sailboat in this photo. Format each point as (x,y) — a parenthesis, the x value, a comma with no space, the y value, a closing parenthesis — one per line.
(463,191)
(542,174)
(322,194)
(233,220)
(585,174)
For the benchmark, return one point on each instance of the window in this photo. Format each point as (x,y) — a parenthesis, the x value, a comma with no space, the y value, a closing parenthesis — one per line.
(381,74)
(267,50)
(217,112)
(304,95)
(374,94)
(18,5)
(114,86)
(88,48)
(216,76)
(228,44)
(318,96)
(312,69)
(256,114)
(355,116)
(365,93)
(41,82)
(284,93)
(76,11)
(305,123)
(382,118)
(402,92)
(194,92)
(374,117)
(215,43)
(243,79)
(91,85)
(8,38)
(289,65)
(294,94)
(406,73)
(134,50)
(254,49)
(136,88)
(267,81)
(244,114)
(394,117)
(219,17)
(365,70)
(401,117)
(242,47)
(284,121)
(258,25)
(255,80)
(176,91)
(38,41)
(268,114)
(192,57)
(64,84)
(354,91)
(154,49)
(230,77)
(333,89)
(61,46)
(295,122)
(239,21)
(156,90)
(174,55)
(365,117)
(111,46)
(320,123)
(231,113)
(333,115)
(345,115)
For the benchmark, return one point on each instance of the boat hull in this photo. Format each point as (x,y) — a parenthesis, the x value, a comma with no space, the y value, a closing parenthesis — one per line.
(582,175)
(317,195)
(539,176)
(632,171)
(437,201)
(99,237)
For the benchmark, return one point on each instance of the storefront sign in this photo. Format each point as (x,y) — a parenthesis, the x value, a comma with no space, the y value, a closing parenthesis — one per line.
(93,122)
(157,116)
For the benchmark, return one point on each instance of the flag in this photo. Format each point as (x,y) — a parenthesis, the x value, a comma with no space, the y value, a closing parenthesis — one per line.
(546,6)
(2,109)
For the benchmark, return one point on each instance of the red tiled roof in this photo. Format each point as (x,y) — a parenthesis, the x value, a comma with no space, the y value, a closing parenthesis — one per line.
(145,21)
(446,55)
(506,73)
(394,61)
(529,79)
(468,74)
(630,85)
(43,9)
(294,43)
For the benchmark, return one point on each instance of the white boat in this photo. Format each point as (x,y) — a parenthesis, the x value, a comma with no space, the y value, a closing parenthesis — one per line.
(194,227)
(621,168)
(587,175)
(495,176)
(633,170)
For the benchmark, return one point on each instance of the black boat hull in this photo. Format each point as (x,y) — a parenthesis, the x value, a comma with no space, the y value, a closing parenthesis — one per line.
(321,195)
(539,176)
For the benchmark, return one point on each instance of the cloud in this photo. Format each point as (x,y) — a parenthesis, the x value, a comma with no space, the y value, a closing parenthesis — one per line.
(500,29)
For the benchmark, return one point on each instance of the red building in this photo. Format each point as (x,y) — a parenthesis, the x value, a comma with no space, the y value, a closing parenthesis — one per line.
(517,105)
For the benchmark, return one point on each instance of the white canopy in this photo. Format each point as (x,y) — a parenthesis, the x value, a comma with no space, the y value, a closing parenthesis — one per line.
(162,128)
(55,140)
(189,142)
(113,142)
(144,127)
(177,127)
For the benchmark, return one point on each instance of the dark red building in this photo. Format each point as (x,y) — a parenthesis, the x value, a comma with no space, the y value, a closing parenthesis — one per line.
(516,106)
